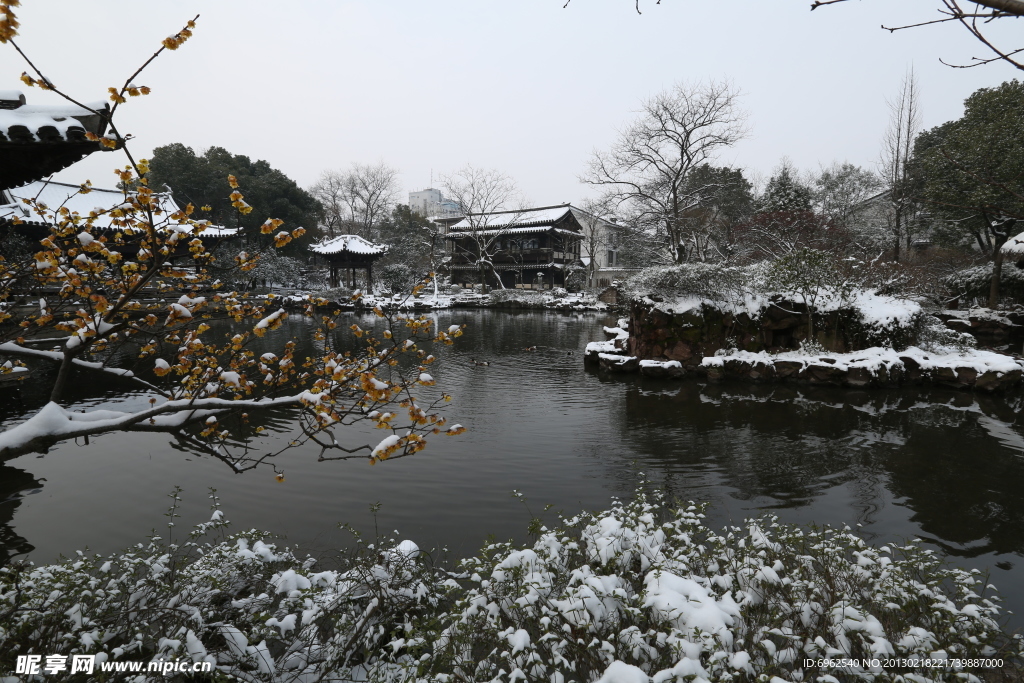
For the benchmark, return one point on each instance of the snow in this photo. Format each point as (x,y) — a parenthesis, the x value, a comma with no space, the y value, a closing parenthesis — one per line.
(1014,246)
(617,332)
(660,364)
(231,379)
(98,200)
(614,357)
(178,311)
(642,582)
(876,310)
(504,219)
(488,231)
(266,322)
(884,311)
(601,347)
(350,243)
(389,442)
(37,116)
(876,357)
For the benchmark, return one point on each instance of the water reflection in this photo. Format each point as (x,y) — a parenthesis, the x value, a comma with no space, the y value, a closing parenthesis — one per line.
(944,466)
(15,484)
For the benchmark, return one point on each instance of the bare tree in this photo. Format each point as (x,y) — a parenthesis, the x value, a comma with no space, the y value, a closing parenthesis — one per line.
(982,13)
(895,162)
(329,190)
(647,169)
(358,198)
(596,235)
(371,192)
(482,193)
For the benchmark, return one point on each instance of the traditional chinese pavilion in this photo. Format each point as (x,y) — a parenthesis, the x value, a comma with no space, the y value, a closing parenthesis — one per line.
(352,253)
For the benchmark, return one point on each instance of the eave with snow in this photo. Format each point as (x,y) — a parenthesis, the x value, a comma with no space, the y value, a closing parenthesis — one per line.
(526,249)
(350,252)
(36,141)
(97,201)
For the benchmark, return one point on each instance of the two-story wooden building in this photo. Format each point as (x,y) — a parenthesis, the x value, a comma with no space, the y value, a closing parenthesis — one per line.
(526,249)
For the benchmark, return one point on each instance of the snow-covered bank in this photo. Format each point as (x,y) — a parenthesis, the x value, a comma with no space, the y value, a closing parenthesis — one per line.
(643,591)
(874,367)
(500,299)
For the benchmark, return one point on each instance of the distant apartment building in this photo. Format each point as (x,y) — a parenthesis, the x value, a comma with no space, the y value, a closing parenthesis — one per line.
(431,203)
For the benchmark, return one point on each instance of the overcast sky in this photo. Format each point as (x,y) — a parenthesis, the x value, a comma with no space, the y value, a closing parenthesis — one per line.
(523,86)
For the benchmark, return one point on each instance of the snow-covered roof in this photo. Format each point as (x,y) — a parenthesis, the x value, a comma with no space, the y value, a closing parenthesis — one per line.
(514,231)
(353,244)
(39,140)
(1014,246)
(55,195)
(545,215)
(43,122)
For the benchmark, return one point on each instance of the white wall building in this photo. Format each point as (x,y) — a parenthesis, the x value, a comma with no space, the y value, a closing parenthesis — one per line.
(431,203)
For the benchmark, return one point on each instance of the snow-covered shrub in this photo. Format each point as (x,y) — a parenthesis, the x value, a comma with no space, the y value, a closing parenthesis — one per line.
(273,268)
(640,589)
(397,277)
(257,612)
(975,282)
(530,296)
(933,336)
(705,280)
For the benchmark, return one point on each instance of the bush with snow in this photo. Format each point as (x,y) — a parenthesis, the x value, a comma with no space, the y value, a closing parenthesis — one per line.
(640,592)
(712,281)
(935,337)
(975,282)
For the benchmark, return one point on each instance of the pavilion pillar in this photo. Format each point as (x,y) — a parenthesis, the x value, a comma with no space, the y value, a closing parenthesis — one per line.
(369,277)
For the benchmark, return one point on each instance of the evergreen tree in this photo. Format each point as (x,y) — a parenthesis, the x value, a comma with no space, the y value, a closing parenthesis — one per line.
(201,180)
(973,171)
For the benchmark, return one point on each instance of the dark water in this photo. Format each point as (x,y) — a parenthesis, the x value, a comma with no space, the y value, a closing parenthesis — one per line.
(944,466)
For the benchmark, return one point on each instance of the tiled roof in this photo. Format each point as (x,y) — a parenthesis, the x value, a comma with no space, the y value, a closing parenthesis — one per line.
(38,140)
(354,244)
(511,231)
(545,215)
(54,195)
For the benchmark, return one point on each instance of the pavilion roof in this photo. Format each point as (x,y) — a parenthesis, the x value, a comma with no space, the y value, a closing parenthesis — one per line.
(55,195)
(536,229)
(353,244)
(38,140)
(544,215)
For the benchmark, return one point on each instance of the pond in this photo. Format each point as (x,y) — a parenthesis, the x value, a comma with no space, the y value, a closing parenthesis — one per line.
(947,467)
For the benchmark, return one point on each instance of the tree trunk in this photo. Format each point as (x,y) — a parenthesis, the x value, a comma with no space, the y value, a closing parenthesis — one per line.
(62,377)
(997,271)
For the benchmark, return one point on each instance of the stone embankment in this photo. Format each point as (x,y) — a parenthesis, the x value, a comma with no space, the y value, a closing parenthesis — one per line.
(994,329)
(984,371)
